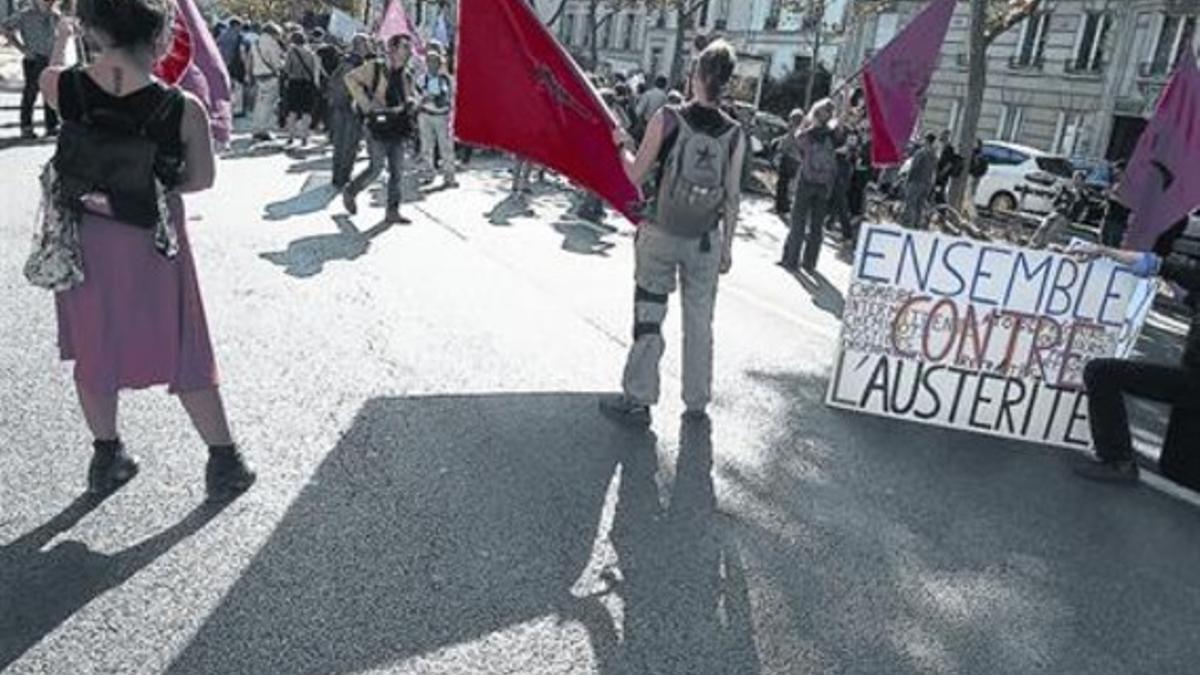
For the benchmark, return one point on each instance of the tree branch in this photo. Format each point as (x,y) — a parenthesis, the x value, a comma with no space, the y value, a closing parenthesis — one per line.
(686,14)
(557,13)
(1018,11)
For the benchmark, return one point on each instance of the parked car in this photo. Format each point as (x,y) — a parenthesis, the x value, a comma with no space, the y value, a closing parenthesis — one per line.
(1020,178)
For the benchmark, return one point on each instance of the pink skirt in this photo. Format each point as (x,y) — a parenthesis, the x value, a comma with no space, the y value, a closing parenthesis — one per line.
(137,320)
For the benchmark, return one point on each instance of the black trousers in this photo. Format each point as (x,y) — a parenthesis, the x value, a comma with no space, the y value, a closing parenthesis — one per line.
(783,197)
(32,69)
(1108,380)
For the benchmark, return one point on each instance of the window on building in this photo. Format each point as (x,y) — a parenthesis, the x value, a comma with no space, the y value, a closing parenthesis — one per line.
(954,121)
(1011,117)
(1092,44)
(606,31)
(661,21)
(1174,38)
(801,63)
(568,29)
(885,29)
(656,60)
(1068,133)
(627,34)
(1031,48)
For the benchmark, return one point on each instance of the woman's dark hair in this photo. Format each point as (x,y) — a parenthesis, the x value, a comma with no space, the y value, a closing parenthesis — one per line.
(126,23)
(715,66)
(299,39)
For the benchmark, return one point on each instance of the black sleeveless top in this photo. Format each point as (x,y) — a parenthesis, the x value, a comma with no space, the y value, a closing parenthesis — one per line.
(155,107)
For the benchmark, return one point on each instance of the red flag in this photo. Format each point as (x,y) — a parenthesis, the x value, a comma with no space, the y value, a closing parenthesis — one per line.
(171,67)
(1161,183)
(896,79)
(518,90)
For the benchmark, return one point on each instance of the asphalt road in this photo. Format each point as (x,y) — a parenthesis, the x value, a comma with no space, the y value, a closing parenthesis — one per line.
(438,494)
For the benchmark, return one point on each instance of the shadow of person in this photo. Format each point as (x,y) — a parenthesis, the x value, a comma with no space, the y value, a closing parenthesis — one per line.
(825,295)
(314,196)
(581,238)
(511,206)
(306,257)
(436,524)
(40,589)
(687,609)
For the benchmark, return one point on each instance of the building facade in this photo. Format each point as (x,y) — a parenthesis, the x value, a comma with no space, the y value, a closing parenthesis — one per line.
(643,40)
(1078,78)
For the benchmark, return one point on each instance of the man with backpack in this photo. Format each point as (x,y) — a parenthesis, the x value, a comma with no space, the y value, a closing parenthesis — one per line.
(698,152)
(816,175)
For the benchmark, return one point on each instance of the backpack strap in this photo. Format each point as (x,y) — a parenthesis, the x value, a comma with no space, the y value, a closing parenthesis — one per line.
(169,98)
(75,75)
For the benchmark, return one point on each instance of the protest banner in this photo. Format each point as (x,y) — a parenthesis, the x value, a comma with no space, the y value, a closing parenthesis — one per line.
(978,336)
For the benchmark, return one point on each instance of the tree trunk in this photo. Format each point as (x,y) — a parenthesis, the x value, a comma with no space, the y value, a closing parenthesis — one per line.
(812,68)
(680,35)
(973,107)
(594,29)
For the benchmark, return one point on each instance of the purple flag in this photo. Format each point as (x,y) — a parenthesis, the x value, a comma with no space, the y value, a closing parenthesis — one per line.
(1161,184)
(896,79)
(195,64)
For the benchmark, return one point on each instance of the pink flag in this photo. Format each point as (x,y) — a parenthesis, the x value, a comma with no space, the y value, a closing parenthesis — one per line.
(195,64)
(1161,184)
(396,22)
(896,78)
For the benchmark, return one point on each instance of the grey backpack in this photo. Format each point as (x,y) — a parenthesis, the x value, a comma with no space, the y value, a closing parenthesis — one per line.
(692,191)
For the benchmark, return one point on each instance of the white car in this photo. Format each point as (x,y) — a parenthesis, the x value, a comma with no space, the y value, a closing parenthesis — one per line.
(1020,178)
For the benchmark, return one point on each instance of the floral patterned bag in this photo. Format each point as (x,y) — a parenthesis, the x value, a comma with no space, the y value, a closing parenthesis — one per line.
(56,262)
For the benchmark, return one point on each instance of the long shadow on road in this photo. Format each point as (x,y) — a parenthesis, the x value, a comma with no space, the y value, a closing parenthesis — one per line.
(918,549)
(434,522)
(439,522)
(39,590)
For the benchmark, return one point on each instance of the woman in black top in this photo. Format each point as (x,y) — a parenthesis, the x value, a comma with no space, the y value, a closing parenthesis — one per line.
(137,320)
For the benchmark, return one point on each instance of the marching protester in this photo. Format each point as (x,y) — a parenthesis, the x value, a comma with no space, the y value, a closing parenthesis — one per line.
(649,102)
(266,66)
(382,91)
(137,319)
(814,186)
(690,237)
(1116,214)
(839,202)
(949,166)
(433,119)
(921,175)
(978,169)
(329,54)
(1109,380)
(302,71)
(31,31)
(786,161)
(345,122)
(232,45)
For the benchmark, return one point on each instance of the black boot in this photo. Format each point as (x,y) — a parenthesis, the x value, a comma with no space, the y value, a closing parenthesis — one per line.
(111,467)
(227,475)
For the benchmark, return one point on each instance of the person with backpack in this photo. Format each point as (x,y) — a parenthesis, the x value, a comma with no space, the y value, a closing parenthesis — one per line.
(345,122)
(266,65)
(433,119)
(136,319)
(302,70)
(978,169)
(232,44)
(382,92)
(699,152)
(816,174)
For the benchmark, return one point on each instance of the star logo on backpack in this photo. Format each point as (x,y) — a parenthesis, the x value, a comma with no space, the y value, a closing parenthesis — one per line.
(704,158)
